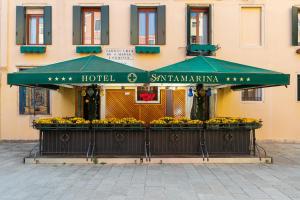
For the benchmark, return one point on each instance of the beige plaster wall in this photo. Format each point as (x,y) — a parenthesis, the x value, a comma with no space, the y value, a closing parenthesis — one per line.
(280,111)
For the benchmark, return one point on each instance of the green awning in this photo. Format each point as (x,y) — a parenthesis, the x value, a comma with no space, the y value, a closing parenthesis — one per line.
(206,70)
(85,70)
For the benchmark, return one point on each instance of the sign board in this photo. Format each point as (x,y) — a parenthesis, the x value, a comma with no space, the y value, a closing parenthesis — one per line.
(124,56)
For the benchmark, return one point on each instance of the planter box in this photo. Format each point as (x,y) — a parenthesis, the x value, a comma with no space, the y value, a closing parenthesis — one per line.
(228,141)
(65,141)
(201,49)
(88,49)
(147,49)
(32,49)
(174,141)
(120,141)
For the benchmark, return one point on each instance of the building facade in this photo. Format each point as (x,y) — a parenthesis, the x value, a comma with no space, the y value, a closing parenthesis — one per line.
(256,32)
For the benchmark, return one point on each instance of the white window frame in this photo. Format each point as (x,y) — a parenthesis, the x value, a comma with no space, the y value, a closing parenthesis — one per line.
(148,102)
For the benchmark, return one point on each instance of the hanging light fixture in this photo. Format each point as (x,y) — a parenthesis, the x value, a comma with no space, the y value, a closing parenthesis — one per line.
(190,93)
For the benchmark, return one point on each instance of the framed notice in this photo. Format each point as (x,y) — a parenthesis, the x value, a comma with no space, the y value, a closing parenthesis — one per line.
(124,56)
(146,95)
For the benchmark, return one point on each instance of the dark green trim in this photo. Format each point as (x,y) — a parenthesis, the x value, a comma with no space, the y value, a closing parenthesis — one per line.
(295,39)
(220,78)
(33,49)
(202,47)
(104,25)
(134,32)
(77,25)
(47,25)
(210,10)
(147,49)
(161,25)
(298,87)
(188,24)
(20,25)
(88,49)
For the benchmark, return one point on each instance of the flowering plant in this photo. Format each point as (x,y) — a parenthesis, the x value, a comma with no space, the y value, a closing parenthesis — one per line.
(129,121)
(171,121)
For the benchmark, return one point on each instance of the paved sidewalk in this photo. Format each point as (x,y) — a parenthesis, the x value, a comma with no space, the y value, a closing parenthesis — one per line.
(280,180)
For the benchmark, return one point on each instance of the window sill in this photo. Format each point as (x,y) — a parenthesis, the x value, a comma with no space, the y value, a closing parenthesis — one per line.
(147,49)
(89,49)
(202,49)
(33,49)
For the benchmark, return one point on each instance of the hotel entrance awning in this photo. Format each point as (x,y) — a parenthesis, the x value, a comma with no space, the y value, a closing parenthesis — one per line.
(206,70)
(85,70)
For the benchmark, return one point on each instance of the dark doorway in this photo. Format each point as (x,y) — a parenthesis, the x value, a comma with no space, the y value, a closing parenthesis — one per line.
(91,100)
(201,103)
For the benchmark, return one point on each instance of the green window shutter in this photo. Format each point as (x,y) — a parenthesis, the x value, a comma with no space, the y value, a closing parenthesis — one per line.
(22,100)
(104,24)
(47,25)
(298,87)
(161,25)
(134,31)
(295,30)
(188,24)
(210,14)
(77,25)
(20,25)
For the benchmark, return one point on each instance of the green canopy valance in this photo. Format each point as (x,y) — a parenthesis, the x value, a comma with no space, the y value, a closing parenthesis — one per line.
(85,70)
(198,70)
(208,70)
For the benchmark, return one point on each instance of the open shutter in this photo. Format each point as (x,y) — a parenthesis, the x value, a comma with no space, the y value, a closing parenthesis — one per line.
(210,30)
(20,25)
(161,25)
(22,100)
(134,31)
(76,25)
(188,24)
(104,24)
(295,30)
(47,25)
(298,87)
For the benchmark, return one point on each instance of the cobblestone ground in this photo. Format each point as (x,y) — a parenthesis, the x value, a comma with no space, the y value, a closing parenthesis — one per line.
(280,180)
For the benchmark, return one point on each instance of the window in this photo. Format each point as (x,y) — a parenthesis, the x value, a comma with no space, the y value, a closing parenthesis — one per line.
(147,26)
(33,25)
(199,26)
(252,94)
(147,94)
(90,25)
(91,29)
(35,29)
(34,101)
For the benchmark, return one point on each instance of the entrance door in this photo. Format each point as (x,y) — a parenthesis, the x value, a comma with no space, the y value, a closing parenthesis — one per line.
(121,103)
(91,103)
(201,104)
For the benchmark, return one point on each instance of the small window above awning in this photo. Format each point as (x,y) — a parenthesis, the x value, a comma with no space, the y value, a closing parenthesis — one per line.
(85,70)
(206,70)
